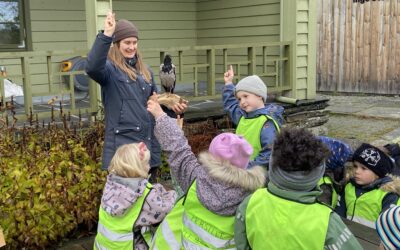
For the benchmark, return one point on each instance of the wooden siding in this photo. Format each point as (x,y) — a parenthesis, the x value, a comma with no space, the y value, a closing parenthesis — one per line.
(58,25)
(168,23)
(359,48)
(237,21)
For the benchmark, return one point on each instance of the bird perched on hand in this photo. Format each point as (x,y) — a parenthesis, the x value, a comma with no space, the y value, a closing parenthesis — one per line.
(167,74)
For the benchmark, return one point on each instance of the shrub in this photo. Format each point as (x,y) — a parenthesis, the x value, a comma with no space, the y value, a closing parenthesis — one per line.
(51,182)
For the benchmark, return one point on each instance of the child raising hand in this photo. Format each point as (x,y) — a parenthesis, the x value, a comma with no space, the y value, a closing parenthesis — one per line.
(255,120)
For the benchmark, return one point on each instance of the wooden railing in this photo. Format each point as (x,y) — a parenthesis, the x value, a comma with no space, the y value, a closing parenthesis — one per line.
(270,60)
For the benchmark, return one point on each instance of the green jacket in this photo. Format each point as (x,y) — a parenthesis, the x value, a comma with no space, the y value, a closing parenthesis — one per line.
(337,230)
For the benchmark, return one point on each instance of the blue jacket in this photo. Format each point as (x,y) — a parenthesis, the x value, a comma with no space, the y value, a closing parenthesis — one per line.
(268,132)
(125,104)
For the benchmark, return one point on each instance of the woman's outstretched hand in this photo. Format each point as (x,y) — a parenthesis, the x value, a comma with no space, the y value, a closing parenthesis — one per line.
(154,107)
(109,24)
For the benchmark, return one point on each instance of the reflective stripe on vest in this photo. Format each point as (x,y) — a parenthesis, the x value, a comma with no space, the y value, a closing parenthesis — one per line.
(328,181)
(250,129)
(203,228)
(192,246)
(115,232)
(112,235)
(169,232)
(366,208)
(276,223)
(362,221)
(205,236)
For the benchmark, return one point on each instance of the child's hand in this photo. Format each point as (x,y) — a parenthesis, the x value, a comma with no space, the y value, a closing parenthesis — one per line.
(179,120)
(154,107)
(109,24)
(179,108)
(228,75)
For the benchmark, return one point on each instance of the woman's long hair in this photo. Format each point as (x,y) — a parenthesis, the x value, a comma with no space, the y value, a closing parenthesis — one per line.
(116,57)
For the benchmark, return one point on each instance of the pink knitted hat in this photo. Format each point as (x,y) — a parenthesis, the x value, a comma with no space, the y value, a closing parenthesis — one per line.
(233,148)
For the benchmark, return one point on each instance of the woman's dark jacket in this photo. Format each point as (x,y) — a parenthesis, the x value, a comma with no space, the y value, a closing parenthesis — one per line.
(126,117)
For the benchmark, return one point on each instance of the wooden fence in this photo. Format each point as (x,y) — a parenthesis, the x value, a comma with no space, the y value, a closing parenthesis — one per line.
(359,46)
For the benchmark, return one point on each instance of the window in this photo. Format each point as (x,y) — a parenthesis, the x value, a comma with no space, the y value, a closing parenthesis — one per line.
(12,28)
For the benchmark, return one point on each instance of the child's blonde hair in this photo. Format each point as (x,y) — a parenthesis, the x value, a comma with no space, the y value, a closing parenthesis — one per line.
(126,162)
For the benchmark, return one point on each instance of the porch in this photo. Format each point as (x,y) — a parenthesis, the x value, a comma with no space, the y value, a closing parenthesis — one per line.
(199,76)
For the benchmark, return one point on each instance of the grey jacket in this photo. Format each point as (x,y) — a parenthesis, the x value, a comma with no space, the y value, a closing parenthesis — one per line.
(125,101)
(220,187)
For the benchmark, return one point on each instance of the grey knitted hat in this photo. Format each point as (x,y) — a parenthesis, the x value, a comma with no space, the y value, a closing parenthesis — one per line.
(252,84)
(125,29)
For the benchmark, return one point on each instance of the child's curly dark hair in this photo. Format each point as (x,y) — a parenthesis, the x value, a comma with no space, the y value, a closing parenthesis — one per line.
(296,149)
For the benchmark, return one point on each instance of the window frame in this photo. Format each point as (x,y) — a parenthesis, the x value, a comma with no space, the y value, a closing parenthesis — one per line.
(25,32)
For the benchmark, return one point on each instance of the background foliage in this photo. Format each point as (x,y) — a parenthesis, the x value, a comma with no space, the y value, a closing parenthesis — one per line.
(50,181)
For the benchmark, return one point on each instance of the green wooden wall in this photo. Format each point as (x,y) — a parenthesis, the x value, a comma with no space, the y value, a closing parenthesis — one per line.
(58,25)
(167,23)
(61,25)
(237,21)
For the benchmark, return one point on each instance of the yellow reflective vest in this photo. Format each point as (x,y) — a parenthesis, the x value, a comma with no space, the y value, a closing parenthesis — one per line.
(203,229)
(250,129)
(116,232)
(276,223)
(169,232)
(366,208)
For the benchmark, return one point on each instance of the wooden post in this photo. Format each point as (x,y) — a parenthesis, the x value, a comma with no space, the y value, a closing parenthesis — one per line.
(195,82)
(27,84)
(96,11)
(162,55)
(289,33)
(49,73)
(180,63)
(211,72)
(225,59)
(251,57)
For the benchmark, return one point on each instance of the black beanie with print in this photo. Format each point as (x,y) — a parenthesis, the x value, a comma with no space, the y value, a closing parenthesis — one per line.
(374,159)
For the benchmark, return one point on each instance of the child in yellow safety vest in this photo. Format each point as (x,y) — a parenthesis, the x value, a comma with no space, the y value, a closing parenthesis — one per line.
(286,214)
(256,121)
(370,190)
(130,205)
(215,183)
